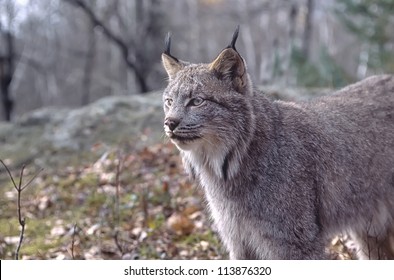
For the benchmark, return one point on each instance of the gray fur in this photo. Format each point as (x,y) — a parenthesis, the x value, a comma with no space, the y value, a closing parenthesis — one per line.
(282,178)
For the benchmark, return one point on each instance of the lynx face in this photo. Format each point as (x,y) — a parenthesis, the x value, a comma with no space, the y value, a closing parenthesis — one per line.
(200,109)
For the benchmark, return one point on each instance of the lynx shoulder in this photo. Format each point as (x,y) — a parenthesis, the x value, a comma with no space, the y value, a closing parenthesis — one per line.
(282,178)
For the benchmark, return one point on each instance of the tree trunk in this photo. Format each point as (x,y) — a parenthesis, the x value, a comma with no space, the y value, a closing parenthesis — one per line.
(89,65)
(306,41)
(6,72)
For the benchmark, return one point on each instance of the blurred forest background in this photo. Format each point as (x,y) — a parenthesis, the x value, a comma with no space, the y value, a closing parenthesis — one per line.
(81,112)
(72,52)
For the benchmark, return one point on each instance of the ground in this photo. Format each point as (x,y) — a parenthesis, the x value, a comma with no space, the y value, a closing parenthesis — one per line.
(131,204)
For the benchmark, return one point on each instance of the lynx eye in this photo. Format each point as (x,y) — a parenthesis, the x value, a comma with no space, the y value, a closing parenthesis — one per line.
(168,102)
(196,101)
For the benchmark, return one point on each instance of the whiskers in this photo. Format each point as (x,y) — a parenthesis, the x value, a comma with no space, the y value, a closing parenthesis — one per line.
(210,136)
(164,138)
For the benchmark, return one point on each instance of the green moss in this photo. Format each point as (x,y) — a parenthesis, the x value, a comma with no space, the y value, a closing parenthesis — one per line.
(88,180)
(147,252)
(194,238)
(35,237)
(96,200)
(40,244)
(156,222)
(9,227)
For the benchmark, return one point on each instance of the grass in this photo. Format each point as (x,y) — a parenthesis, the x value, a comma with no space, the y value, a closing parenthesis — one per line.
(153,187)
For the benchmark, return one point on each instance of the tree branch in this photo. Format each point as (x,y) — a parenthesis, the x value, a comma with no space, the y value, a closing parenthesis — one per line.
(114,38)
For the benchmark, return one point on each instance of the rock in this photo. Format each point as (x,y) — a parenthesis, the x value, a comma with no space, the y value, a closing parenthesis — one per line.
(58,231)
(48,137)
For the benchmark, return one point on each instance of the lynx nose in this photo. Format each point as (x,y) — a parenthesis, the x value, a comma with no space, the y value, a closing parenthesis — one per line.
(171,123)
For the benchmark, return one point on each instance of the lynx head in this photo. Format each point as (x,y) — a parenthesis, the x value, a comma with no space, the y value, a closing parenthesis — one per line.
(206,104)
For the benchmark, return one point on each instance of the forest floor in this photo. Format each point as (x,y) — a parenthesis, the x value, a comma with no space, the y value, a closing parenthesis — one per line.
(129,203)
(134,204)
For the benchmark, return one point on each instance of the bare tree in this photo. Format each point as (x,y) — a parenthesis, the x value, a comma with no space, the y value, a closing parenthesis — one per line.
(133,52)
(89,64)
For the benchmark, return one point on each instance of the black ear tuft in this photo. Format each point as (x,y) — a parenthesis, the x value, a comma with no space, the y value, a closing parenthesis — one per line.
(230,66)
(234,39)
(167,44)
(171,64)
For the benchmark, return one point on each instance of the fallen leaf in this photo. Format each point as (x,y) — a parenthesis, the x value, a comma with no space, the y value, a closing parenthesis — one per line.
(191,209)
(180,224)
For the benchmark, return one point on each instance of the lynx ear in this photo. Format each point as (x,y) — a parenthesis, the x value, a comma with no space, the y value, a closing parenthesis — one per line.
(229,65)
(170,63)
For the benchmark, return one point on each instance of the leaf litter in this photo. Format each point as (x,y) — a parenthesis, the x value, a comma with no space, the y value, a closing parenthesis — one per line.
(128,204)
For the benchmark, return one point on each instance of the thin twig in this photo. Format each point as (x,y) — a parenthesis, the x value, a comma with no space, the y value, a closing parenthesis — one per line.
(117,185)
(117,241)
(73,241)
(117,201)
(9,173)
(21,235)
(20,178)
(19,188)
(144,206)
(32,179)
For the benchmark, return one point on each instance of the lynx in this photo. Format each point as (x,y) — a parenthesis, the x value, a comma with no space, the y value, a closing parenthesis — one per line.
(282,178)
